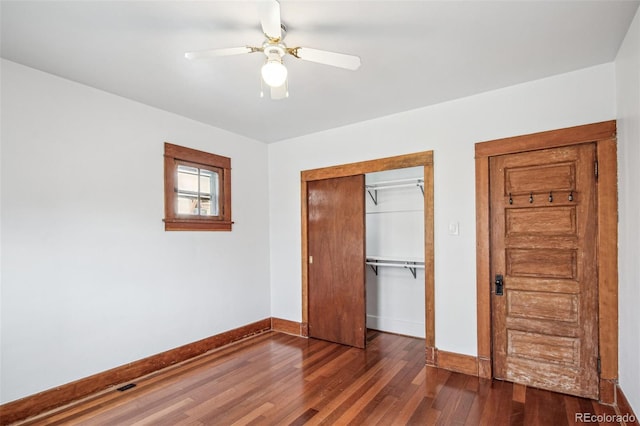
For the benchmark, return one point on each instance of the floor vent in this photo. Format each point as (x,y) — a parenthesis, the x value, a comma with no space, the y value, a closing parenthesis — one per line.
(126,387)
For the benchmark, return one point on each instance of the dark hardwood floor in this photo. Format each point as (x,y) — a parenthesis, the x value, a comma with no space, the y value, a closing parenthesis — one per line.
(278,379)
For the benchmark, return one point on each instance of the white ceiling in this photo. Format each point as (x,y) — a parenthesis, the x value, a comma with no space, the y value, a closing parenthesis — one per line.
(414,53)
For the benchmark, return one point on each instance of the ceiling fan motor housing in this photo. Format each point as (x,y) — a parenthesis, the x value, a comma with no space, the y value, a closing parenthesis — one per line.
(274,51)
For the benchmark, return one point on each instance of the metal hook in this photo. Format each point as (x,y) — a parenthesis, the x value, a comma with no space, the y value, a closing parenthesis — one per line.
(550,197)
(531,197)
(510,199)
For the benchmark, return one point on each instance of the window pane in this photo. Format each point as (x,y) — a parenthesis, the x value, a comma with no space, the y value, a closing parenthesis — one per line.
(197,191)
(186,205)
(187,179)
(209,193)
(205,181)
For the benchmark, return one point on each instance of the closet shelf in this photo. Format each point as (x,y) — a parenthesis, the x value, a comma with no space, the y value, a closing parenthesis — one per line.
(410,263)
(392,184)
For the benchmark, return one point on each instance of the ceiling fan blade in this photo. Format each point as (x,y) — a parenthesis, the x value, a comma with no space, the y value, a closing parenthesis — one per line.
(340,60)
(269,11)
(212,53)
(280,92)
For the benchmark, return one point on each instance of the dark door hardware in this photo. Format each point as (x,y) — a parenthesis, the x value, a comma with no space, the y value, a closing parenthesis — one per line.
(499,285)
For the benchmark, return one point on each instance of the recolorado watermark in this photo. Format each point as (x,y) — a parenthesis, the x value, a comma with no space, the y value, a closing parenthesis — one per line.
(604,418)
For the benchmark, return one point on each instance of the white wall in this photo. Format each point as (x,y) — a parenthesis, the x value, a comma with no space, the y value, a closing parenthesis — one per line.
(450,130)
(395,229)
(90,279)
(628,97)
(96,291)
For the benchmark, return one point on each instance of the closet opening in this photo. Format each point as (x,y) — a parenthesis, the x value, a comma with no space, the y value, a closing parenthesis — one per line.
(394,212)
(392,262)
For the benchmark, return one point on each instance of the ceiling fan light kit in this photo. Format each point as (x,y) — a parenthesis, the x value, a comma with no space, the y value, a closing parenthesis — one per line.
(274,73)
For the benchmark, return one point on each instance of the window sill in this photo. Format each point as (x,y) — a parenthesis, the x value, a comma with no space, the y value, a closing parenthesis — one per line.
(196,225)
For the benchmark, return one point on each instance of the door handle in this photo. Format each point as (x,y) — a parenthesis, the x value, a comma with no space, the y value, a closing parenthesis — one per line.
(499,285)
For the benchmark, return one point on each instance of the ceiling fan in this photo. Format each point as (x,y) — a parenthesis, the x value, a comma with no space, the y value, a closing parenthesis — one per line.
(273,72)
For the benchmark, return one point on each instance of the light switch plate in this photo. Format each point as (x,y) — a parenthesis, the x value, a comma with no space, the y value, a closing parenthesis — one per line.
(454,228)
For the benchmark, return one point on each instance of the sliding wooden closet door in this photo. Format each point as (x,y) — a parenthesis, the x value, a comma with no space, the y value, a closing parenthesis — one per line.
(336,238)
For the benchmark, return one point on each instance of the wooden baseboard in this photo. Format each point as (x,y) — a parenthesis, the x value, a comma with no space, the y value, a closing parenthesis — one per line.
(61,395)
(623,408)
(460,363)
(485,370)
(431,356)
(608,391)
(286,326)
(451,361)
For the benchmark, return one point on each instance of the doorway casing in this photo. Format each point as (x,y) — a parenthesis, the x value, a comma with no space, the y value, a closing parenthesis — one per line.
(604,136)
(424,159)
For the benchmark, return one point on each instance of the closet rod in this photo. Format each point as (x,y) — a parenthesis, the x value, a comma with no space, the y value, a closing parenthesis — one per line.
(385,182)
(402,185)
(396,265)
(412,267)
(399,183)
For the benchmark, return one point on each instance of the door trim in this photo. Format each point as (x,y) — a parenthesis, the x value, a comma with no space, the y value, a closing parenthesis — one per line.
(424,159)
(603,134)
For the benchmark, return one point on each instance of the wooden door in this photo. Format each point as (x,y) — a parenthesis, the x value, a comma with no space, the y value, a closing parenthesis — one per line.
(336,239)
(543,244)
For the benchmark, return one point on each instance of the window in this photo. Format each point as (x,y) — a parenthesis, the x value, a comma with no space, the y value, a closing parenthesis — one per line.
(197,190)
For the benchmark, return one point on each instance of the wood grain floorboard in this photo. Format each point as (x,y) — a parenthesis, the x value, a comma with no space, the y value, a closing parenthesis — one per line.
(280,379)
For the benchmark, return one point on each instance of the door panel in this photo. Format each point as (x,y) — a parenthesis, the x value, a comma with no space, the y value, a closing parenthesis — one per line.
(336,238)
(543,240)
